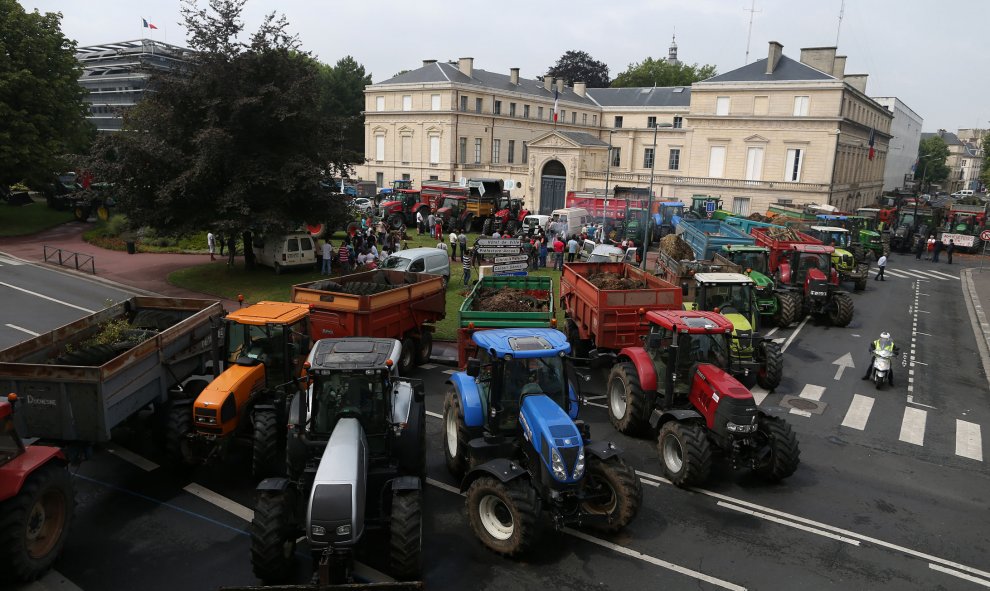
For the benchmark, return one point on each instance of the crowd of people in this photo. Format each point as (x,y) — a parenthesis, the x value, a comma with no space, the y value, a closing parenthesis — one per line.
(363,247)
(934,248)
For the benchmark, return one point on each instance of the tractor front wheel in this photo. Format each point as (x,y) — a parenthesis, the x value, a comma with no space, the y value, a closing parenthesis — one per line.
(35,522)
(617,490)
(841,313)
(627,406)
(407,358)
(787,309)
(406,534)
(455,436)
(264,457)
(273,537)
(395,221)
(784,451)
(772,369)
(504,515)
(685,453)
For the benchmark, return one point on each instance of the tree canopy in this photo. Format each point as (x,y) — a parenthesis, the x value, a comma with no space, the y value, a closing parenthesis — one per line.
(931,168)
(237,142)
(985,166)
(578,66)
(342,100)
(42,114)
(658,72)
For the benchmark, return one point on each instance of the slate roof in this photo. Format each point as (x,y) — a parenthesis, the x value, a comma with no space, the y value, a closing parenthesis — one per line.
(787,70)
(661,96)
(950,138)
(584,139)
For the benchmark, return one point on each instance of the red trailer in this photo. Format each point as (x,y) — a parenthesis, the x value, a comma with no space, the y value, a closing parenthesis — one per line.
(608,319)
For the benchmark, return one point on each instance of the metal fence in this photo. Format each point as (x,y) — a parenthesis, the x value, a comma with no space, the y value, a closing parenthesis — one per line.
(67,258)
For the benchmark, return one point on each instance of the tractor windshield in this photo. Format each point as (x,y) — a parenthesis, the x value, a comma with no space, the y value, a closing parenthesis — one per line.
(667,212)
(360,394)
(693,349)
(730,298)
(755,261)
(805,261)
(248,340)
(535,376)
(837,239)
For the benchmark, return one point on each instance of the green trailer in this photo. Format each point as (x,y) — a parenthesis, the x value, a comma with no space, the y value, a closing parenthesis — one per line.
(535,293)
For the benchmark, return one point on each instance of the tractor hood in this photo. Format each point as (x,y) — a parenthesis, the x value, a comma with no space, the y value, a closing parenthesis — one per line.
(740,324)
(554,437)
(761,280)
(390,205)
(239,380)
(723,383)
(335,511)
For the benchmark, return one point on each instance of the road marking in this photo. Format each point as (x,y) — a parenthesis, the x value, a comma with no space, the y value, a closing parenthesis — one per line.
(435,415)
(6,260)
(843,362)
(771,331)
(969,441)
(811,392)
(428,366)
(443,485)
(220,501)
(961,575)
(450,372)
(858,413)
(913,426)
(799,526)
(944,274)
(42,296)
(131,457)
(930,275)
(920,275)
(30,332)
(894,273)
(52,581)
(759,394)
(794,334)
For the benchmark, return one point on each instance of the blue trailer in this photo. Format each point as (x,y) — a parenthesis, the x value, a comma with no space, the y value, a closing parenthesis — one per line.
(746,226)
(707,237)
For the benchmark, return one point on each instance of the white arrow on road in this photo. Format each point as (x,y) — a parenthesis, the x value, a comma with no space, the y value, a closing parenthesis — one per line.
(843,362)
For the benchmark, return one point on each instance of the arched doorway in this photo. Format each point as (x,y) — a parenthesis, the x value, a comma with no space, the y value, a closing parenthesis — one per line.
(552,181)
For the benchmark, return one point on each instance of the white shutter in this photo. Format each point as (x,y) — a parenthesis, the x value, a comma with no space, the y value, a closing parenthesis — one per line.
(754,164)
(406,147)
(435,149)
(792,172)
(716,162)
(800,106)
(379,147)
(740,206)
(435,102)
(379,103)
(407,102)
(722,105)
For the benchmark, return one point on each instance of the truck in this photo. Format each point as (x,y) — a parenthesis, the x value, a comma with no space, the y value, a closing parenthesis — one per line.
(609,319)
(964,223)
(70,392)
(379,304)
(706,237)
(534,294)
(746,225)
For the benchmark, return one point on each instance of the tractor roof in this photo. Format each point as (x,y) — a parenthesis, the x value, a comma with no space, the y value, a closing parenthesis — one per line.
(353,353)
(522,342)
(829,229)
(269,313)
(725,278)
(671,204)
(813,248)
(690,321)
(825,216)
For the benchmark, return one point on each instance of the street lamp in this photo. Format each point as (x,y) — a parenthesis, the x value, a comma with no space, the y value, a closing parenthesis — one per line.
(608,169)
(649,207)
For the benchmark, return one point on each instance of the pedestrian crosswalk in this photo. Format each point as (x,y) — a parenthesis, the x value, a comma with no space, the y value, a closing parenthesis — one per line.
(927,274)
(8,261)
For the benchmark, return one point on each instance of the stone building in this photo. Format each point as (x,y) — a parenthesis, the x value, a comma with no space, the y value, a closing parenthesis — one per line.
(905,131)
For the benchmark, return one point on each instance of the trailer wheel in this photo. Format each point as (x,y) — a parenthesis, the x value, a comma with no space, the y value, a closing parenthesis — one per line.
(627,407)
(486,228)
(264,459)
(406,534)
(35,522)
(455,435)
(273,537)
(177,426)
(784,451)
(407,358)
(618,489)
(504,515)
(685,453)
(425,348)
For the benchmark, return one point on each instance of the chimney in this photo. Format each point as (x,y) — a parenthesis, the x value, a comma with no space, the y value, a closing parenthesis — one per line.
(579,88)
(776,50)
(560,85)
(839,67)
(547,82)
(857,81)
(466,66)
(819,58)
(428,62)
(514,75)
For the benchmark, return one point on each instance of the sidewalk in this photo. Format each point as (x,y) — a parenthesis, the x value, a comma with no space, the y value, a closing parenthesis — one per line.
(976,289)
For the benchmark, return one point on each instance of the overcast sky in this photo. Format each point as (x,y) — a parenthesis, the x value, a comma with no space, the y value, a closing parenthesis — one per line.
(928,54)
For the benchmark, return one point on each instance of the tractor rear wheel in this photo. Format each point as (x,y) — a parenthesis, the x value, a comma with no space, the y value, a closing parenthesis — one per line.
(273,536)
(860,283)
(841,313)
(406,534)
(486,228)
(685,453)
(620,491)
(784,451)
(787,309)
(425,348)
(455,437)
(177,426)
(627,404)
(35,522)
(395,221)
(504,515)
(772,369)
(407,358)
(264,459)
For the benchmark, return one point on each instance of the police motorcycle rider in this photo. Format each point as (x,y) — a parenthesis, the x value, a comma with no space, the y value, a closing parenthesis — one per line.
(884,343)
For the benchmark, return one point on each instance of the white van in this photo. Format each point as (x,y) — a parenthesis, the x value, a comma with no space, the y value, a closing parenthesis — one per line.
(286,251)
(963,193)
(419,260)
(533,222)
(575,219)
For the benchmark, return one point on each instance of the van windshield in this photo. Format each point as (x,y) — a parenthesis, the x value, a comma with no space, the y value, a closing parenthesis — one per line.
(397,263)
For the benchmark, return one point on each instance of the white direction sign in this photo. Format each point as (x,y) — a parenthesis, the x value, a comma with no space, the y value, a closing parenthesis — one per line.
(516,258)
(843,362)
(498,242)
(510,267)
(497,250)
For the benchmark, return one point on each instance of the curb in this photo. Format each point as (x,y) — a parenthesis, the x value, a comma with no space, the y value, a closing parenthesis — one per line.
(978,317)
(86,276)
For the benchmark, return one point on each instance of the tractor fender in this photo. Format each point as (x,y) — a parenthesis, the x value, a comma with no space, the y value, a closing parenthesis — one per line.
(501,468)
(467,390)
(406,483)
(644,366)
(659,417)
(785,273)
(273,485)
(17,470)
(602,450)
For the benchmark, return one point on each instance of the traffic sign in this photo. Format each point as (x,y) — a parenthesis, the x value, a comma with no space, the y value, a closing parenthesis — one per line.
(498,242)
(497,250)
(509,267)
(709,206)
(516,258)
(985,235)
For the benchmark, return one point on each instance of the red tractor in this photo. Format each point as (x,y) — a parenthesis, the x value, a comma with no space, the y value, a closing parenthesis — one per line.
(402,208)
(508,217)
(36,502)
(679,386)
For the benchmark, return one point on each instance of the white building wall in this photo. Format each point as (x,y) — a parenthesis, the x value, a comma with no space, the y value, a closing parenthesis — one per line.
(903,151)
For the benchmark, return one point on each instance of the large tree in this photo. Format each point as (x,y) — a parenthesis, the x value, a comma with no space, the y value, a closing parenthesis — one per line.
(578,66)
(985,166)
(659,72)
(342,101)
(931,168)
(42,114)
(236,142)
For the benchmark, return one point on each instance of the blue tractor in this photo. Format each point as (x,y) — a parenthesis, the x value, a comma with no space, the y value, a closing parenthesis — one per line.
(511,435)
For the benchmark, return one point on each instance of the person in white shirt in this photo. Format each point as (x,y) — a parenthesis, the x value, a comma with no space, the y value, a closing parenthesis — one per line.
(374,252)
(327,257)
(881,264)
(211,242)
(453,245)
(419,222)
(362,259)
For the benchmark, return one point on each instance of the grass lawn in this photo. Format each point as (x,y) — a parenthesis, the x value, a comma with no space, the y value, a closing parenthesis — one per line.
(29,219)
(101,235)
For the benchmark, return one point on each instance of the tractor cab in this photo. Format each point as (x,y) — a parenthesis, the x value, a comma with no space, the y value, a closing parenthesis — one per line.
(669,214)
(809,263)
(831,235)
(679,344)
(754,259)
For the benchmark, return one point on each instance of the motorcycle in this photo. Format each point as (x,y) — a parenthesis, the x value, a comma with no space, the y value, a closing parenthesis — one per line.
(882,360)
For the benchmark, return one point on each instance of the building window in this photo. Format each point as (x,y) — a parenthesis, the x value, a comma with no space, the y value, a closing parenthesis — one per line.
(462,149)
(740,206)
(648,158)
(792,169)
(678,122)
(761,105)
(477,105)
(406,148)
(496,148)
(379,148)
(716,162)
(801,106)
(573,117)
(406,177)
(434,177)
(379,103)
(563,114)
(477,150)
(722,106)
(435,102)
(512,109)
(434,149)
(754,164)
(407,102)
(674,161)
(497,109)
(594,120)
(616,157)
(539,113)
(584,118)
(525,151)
(526,111)
(511,156)
(651,122)
(618,122)
(380,179)
(464,103)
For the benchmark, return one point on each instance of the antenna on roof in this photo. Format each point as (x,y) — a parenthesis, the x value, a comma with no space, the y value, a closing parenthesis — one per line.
(751,10)
(842,9)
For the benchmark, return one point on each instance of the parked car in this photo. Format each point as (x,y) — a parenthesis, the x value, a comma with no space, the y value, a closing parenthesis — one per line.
(419,260)
(363,204)
(287,251)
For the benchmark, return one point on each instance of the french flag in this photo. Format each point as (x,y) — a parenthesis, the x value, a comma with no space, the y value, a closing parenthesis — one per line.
(148,25)
(873,133)
(556,100)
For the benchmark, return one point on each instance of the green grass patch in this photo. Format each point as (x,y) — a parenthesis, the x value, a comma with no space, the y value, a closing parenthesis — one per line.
(30,219)
(109,235)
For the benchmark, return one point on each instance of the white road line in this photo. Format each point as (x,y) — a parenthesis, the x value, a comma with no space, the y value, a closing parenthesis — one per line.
(759,394)
(894,273)
(129,456)
(30,332)
(44,297)
(443,486)
(450,372)
(929,275)
(913,426)
(788,523)
(811,392)
(653,477)
(369,574)
(52,581)
(435,415)
(219,500)
(969,440)
(919,274)
(428,366)
(961,575)
(944,274)
(771,331)
(794,334)
(858,413)
(6,260)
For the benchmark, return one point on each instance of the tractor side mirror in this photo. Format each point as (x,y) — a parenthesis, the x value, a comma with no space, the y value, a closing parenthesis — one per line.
(473,368)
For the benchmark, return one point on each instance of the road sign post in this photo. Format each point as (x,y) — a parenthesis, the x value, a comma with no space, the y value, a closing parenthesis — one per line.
(985,237)
(508,255)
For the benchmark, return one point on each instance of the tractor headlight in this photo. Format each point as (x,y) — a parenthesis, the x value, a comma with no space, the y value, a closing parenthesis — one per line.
(734,428)
(579,464)
(559,472)
(344,530)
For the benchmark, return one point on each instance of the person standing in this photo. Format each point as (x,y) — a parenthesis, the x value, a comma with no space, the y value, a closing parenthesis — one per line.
(543,253)
(211,242)
(438,228)
(572,246)
(931,247)
(558,254)
(467,261)
(431,221)
(453,245)
(327,257)
(344,256)
(462,241)
(442,246)
(419,222)
(936,251)
(881,264)
(948,250)
(919,249)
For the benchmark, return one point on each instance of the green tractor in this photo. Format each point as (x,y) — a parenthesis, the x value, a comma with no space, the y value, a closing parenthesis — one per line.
(700,208)
(849,266)
(780,308)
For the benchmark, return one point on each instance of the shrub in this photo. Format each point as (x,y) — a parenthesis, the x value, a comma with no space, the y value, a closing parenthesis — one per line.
(116,225)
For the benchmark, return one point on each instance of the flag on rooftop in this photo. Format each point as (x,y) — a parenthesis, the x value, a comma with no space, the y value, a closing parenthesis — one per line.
(148,25)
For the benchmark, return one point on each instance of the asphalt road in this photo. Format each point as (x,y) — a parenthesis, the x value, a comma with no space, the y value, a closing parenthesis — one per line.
(890,494)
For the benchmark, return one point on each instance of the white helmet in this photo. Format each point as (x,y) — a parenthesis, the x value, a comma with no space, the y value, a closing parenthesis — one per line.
(885,335)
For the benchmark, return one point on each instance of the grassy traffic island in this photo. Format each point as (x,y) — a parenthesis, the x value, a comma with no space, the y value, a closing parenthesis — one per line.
(24,220)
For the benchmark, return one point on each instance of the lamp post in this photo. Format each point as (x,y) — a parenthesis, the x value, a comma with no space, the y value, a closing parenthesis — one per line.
(608,169)
(924,173)
(649,207)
